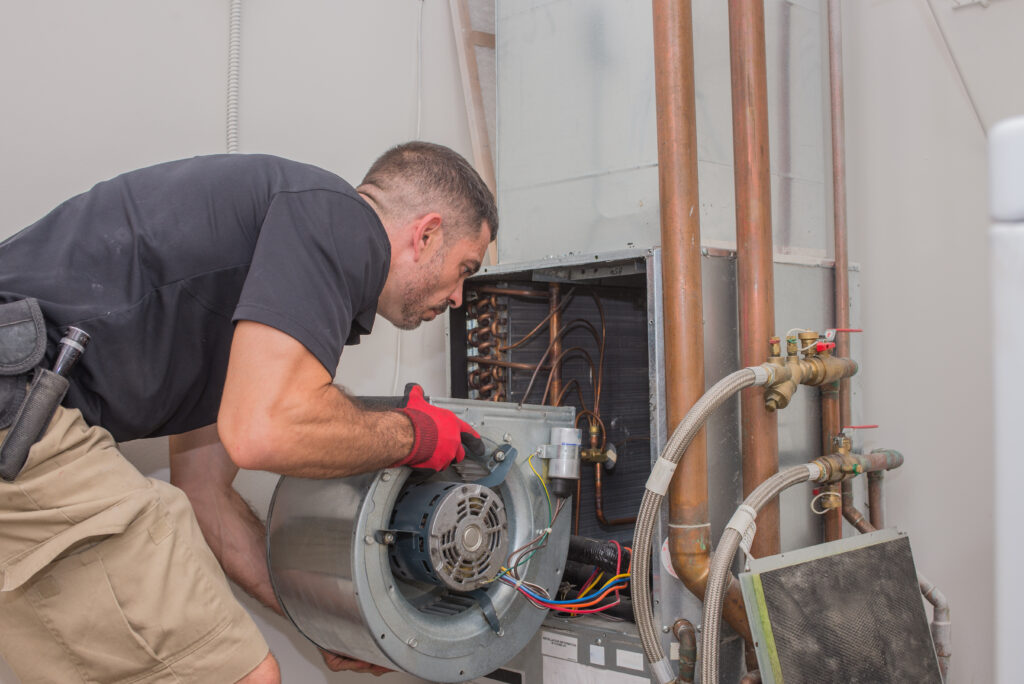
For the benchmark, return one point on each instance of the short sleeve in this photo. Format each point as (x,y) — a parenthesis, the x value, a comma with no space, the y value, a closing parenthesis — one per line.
(320,263)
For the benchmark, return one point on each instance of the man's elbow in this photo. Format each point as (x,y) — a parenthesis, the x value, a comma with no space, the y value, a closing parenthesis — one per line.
(252,444)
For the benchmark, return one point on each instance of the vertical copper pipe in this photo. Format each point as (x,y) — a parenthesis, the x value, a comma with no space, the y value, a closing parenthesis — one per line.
(554,327)
(689,526)
(841,271)
(842,265)
(832,521)
(875,497)
(689,532)
(755,276)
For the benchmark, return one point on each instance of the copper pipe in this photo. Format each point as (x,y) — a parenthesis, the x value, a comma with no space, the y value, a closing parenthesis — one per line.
(556,362)
(755,277)
(841,268)
(689,522)
(851,513)
(555,377)
(832,520)
(528,336)
(511,292)
(599,502)
(875,498)
(483,360)
(842,265)
(686,635)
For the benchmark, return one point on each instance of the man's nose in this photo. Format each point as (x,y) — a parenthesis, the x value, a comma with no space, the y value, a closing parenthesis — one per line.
(455,298)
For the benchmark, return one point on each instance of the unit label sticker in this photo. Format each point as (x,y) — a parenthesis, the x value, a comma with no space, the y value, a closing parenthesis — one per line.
(560,646)
(631,660)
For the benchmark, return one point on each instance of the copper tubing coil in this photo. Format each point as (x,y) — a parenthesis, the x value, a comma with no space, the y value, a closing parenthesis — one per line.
(573,383)
(558,360)
(599,503)
(487,361)
(489,381)
(537,328)
(511,291)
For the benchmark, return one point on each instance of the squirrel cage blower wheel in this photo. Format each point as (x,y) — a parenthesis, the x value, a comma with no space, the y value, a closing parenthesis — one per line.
(398,568)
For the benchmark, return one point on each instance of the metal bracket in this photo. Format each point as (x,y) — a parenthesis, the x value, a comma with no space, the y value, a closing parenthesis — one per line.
(499,463)
(484,601)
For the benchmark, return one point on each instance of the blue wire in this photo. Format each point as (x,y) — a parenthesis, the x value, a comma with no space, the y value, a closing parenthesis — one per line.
(620,582)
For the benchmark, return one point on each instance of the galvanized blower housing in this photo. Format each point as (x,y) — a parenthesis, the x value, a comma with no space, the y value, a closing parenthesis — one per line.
(398,569)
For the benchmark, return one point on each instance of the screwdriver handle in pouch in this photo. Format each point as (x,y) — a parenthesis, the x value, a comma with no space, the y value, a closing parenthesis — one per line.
(44,396)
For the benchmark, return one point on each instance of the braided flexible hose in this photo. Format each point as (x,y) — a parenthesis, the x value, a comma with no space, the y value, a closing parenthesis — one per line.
(657,484)
(721,563)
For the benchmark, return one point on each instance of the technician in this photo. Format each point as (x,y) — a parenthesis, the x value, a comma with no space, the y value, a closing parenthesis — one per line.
(217,293)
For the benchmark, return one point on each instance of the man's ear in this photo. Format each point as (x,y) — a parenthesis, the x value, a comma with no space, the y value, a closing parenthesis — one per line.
(427,234)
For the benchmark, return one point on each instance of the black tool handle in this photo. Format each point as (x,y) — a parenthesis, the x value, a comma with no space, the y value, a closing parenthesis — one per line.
(72,346)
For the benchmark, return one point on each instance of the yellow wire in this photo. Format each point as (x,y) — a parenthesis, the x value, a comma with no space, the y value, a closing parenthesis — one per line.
(584,590)
(542,484)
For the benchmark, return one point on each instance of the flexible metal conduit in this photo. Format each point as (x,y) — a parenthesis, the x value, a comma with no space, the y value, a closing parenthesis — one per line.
(234,61)
(657,485)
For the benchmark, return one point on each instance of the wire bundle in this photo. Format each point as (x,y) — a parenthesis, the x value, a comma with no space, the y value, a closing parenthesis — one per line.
(585,602)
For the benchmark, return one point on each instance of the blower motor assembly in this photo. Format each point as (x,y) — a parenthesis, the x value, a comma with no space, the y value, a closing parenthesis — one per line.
(400,568)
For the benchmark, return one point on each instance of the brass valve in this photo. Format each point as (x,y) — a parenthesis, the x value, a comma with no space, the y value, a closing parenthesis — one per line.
(817,367)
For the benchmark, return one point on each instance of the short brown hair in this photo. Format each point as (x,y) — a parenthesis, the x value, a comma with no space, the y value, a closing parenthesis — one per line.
(418,176)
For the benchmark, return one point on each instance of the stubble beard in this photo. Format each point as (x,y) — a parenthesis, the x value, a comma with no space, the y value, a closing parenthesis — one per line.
(415,294)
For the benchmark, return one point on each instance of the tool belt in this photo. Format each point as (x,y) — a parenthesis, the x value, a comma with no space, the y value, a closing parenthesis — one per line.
(29,393)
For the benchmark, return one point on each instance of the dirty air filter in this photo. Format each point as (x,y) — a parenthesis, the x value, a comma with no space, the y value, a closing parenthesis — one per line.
(398,568)
(848,611)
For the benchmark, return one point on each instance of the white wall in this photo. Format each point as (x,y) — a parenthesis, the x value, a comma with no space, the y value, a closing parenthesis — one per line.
(94,89)
(918,216)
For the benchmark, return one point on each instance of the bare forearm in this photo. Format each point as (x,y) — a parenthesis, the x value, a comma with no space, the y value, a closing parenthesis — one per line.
(237,538)
(202,469)
(329,436)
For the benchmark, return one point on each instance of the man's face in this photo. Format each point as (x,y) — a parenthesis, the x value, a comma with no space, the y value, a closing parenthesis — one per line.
(435,282)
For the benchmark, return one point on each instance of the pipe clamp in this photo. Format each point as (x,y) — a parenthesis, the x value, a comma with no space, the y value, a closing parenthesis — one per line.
(661,476)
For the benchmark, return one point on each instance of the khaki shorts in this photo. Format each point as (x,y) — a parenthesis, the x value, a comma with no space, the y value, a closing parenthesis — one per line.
(105,576)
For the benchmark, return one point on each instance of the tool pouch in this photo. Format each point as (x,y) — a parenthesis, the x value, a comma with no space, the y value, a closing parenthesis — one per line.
(22,345)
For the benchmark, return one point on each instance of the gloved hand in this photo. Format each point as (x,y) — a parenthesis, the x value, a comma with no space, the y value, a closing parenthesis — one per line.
(440,436)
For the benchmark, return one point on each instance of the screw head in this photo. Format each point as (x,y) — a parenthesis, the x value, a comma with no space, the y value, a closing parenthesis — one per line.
(385,476)
(666,629)
(368,540)
(499,456)
(389,538)
(412,642)
(507,438)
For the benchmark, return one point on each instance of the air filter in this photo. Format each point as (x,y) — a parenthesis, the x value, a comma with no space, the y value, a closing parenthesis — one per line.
(845,611)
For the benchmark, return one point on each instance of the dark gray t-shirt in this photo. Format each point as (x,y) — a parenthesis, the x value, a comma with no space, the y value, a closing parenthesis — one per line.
(157,265)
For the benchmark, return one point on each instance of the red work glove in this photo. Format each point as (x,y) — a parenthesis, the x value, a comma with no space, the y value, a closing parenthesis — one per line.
(440,436)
